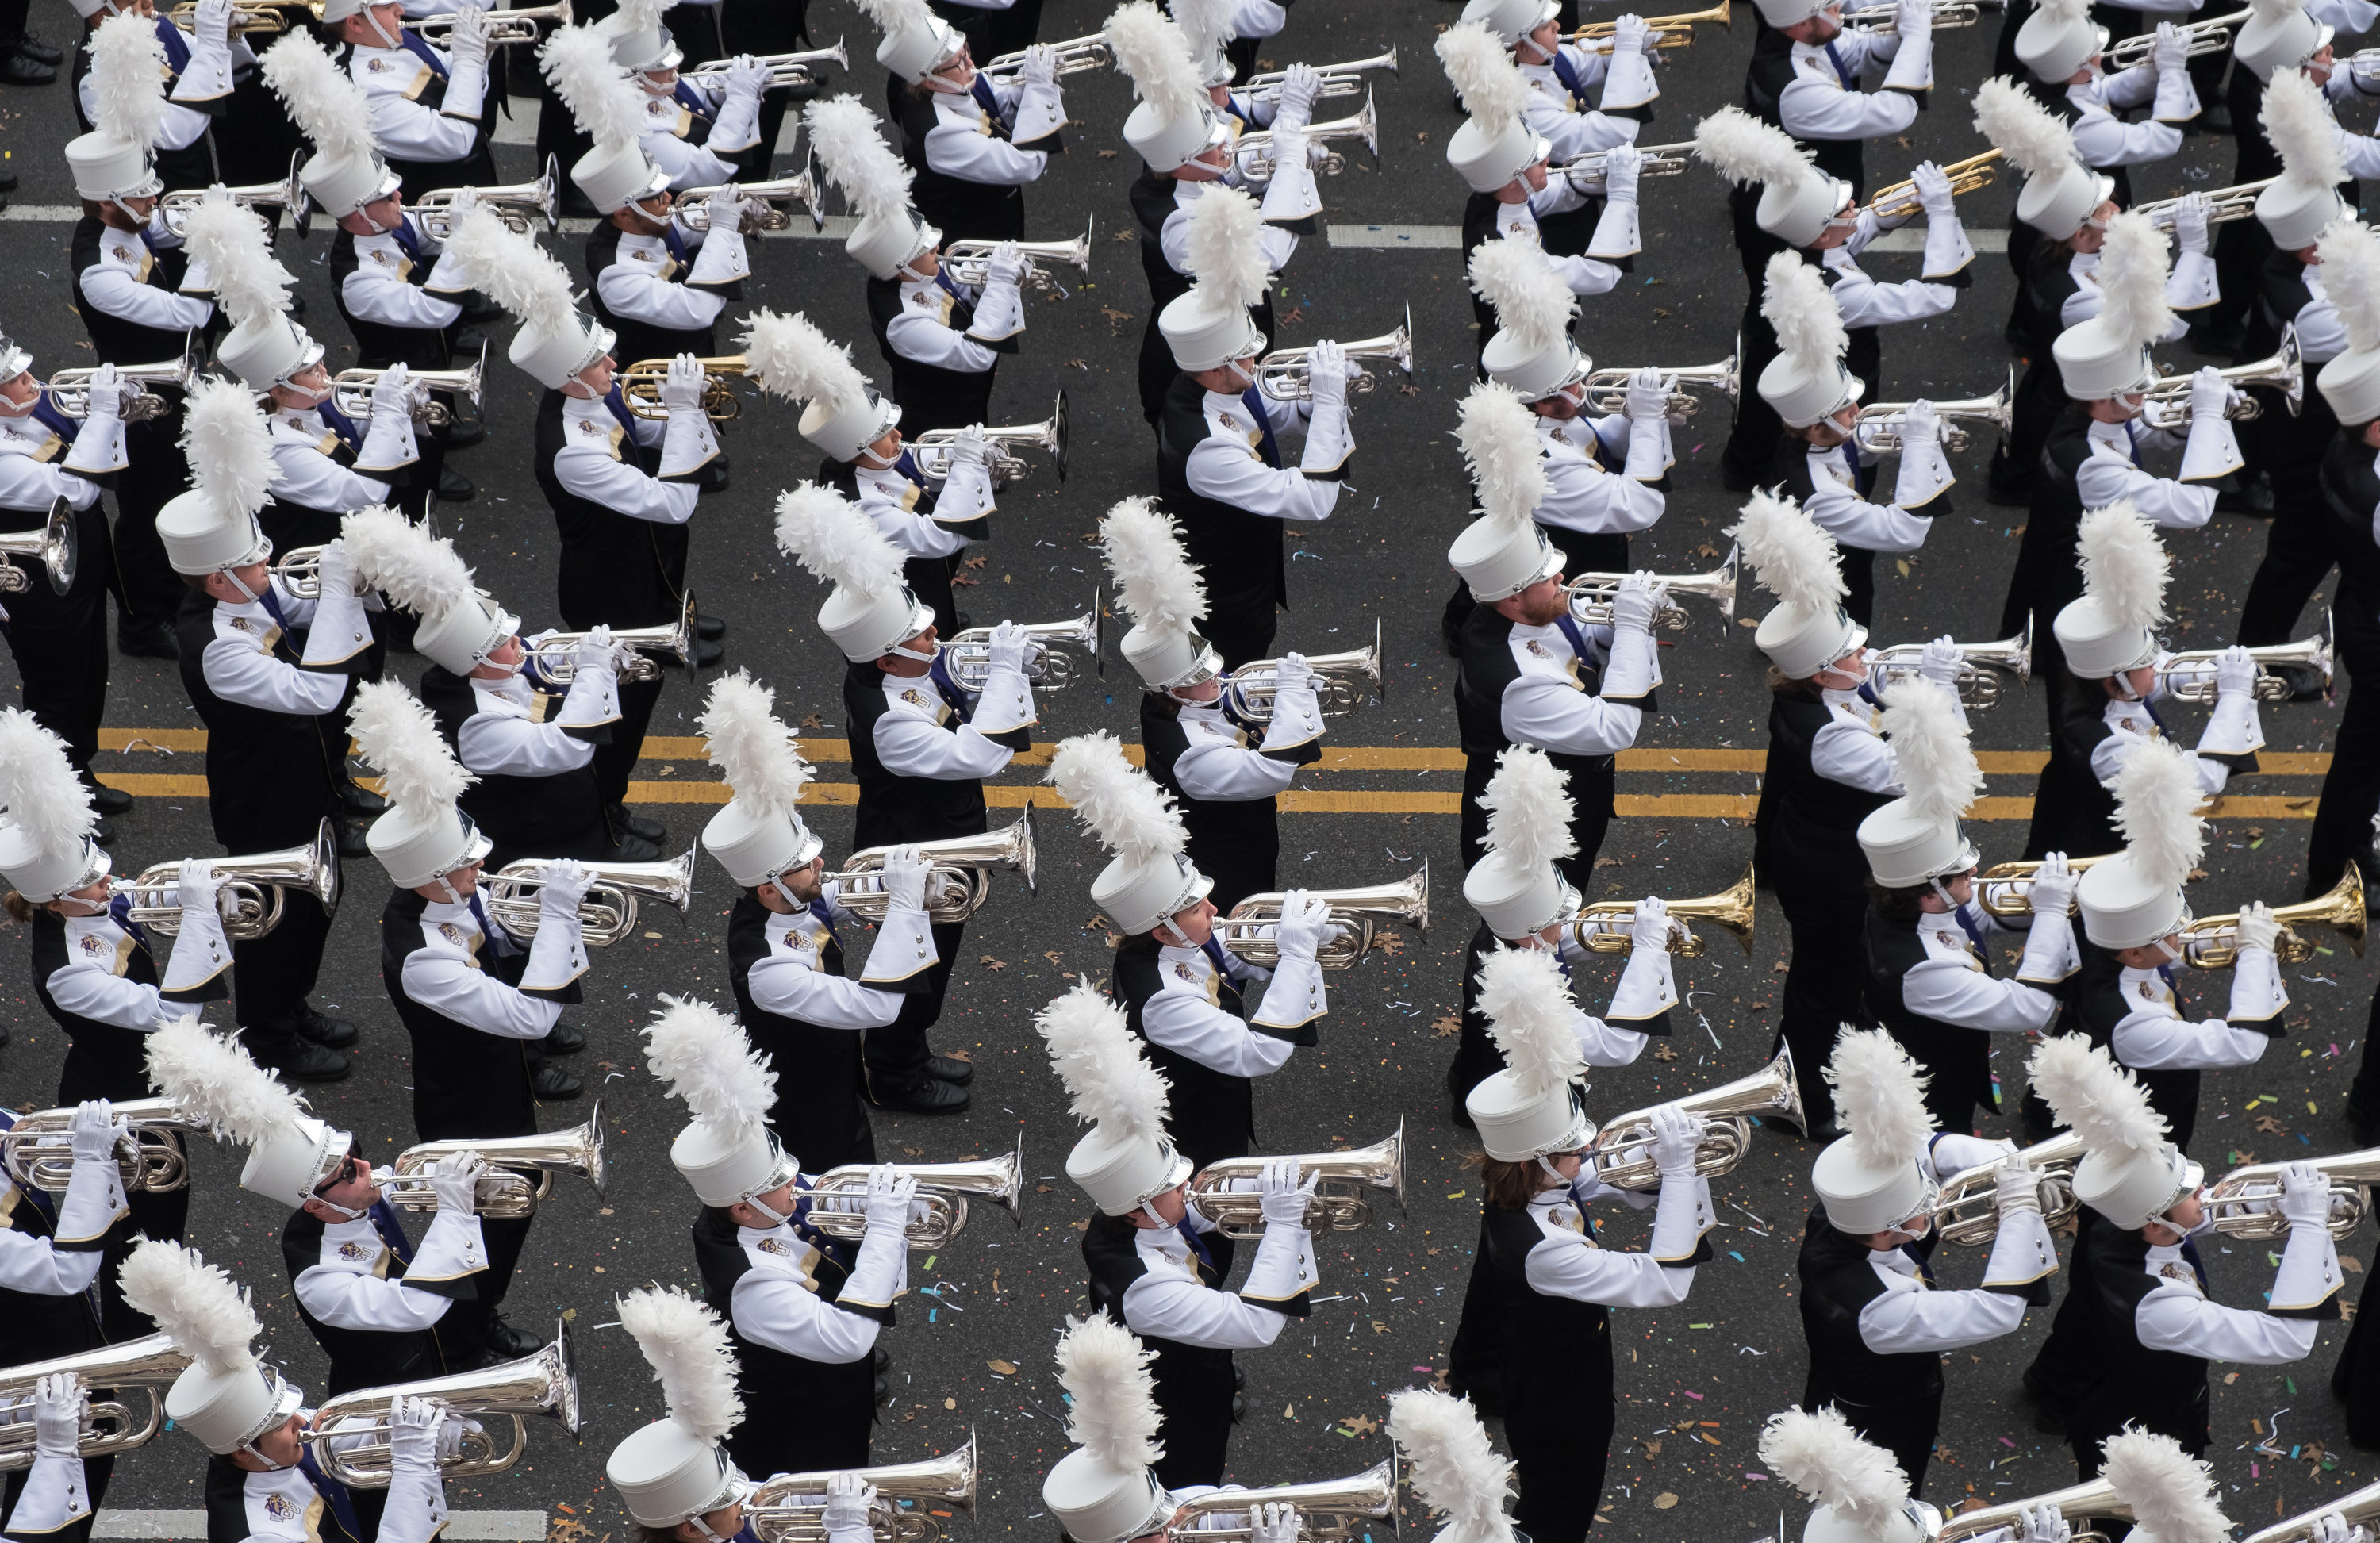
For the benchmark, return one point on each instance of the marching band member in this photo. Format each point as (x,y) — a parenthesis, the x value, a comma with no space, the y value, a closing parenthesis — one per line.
(477,1026)
(1157,1264)
(1560,74)
(1106,1490)
(1180,988)
(1812,90)
(1450,1466)
(920,749)
(804,1309)
(696,132)
(974,141)
(269,674)
(427,108)
(1194,738)
(785,953)
(2350,386)
(58,1494)
(197,69)
(1876,1324)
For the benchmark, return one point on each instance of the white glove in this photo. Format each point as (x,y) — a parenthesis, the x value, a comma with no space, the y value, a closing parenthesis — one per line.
(2305,1196)
(849,1498)
(681,387)
(1632,34)
(1294,673)
(889,1194)
(1676,1136)
(972,447)
(747,78)
(1941,662)
(2209,393)
(58,1404)
(413,1427)
(2235,672)
(1007,264)
(594,650)
(1920,424)
(2053,885)
(1008,647)
(2017,1185)
(468,43)
(106,392)
(1041,66)
(1285,1195)
(2257,928)
(1305,922)
(462,200)
(199,887)
(455,1179)
(1933,190)
(904,878)
(1650,928)
(1914,19)
(1636,601)
(391,392)
(565,885)
(1648,397)
(92,1130)
(1330,373)
(213,29)
(2045,1523)
(2170,52)
(1272,1523)
(2189,224)
(334,572)
(1300,84)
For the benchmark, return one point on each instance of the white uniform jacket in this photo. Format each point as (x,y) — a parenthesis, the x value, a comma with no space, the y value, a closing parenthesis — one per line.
(2110,472)
(641,281)
(505,735)
(118,283)
(1173,238)
(1824,102)
(669,127)
(393,80)
(2154,1036)
(1546,703)
(2105,139)
(1911,1316)
(444,974)
(788,981)
(962,143)
(1518,222)
(1572,1263)
(1602,471)
(381,289)
(240,666)
(1186,1017)
(890,496)
(1950,985)
(590,463)
(2192,286)
(1229,465)
(1219,765)
(777,1301)
(348,1286)
(1558,110)
(911,740)
(1170,1301)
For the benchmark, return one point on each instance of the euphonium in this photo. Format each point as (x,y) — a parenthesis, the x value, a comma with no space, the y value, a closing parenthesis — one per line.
(608,913)
(1978,684)
(1287,374)
(958,875)
(1337,1205)
(932,447)
(2211,36)
(1344,78)
(694,204)
(504,27)
(1967,1211)
(2165,405)
(2223,205)
(38,1150)
(2213,942)
(2245,1203)
(1253,152)
(1670,32)
(1363,914)
(543,1383)
(288,194)
(2005,889)
(2098,1498)
(1328,1511)
(1591,594)
(351,391)
(936,1484)
(1074,56)
(1878,425)
(56,543)
(640,386)
(946,1188)
(1342,681)
(70,389)
(970,261)
(516,204)
(1585,170)
(1621,1151)
(2188,676)
(252,887)
(784,69)
(504,1195)
(1884,21)
(967,654)
(150,1364)
(1607,390)
(1603,926)
(558,653)
(1900,200)
(2357,1508)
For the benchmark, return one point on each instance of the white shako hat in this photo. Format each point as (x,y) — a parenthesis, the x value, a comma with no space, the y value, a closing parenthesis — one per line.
(2171,1496)
(2279,35)
(461,623)
(213,526)
(290,1153)
(759,834)
(1861,1494)
(2114,626)
(556,339)
(2304,198)
(1126,1160)
(1508,21)
(2108,355)
(46,820)
(787,356)
(1531,1108)
(676,1468)
(1223,249)
(2134,898)
(1796,197)
(423,835)
(2057,39)
(1875,1177)
(1532,352)
(128,82)
(2130,1172)
(638,41)
(346,170)
(1799,564)
(265,348)
(916,40)
(1516,888)
(853,155)
(609,107)
(2351,273)
(2060,191)
(1916,839)
(1806,382)
(1496,143)
(871,608)
(1503,551)
(15,359)
(1176,119)
(727,1154)
(225,1397)
(1158,587)
(1149,879)
(1453,1470)
(1782,14)
(1104,1490)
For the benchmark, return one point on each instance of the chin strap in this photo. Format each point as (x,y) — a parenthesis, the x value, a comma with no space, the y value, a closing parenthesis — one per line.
(702,1524)
(386,41)
(774,1220)
(897,651)
(233,580)
(271,1466)
(1935,882)
(777,882)
(1180,938)
(2172,955)
(1551,1172)
(1246,379)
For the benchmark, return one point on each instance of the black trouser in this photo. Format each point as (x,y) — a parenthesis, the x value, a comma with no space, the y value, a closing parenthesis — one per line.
(161,1216)
(1592,818)
(930,580)
(818,1114)
(96,1471)
(2016,461)
(2067,1364)
(12,31)
(1903,1426)
(148,592)
(1958,1061)
(1474,1357)
(615,762)
(2300,548)
(2350,790)
(802,1427)
(763,26)
(1194,1393)
(471,1320)
(1827,978)
(271,977)
(2115,1404)
(2355,1378)
(896,1054)
(60,641)
(1242,631)
(1240,865)
(1560,1457)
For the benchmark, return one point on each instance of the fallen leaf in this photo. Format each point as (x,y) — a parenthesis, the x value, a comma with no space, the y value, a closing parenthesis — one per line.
(1361,1425)
(1071,364)
(813,720)
(1293,314)
(1652,1445)
(1389,942)
(959,1055)
(2230,1378)
(1378,1328)
(1080,1226)
(1706,550)
(1663,1052)
(1421,137)
(1447,1026)
(1095,923)
(2194,874)
(1408,391)
(2350,1264)
(1664,1501)
(1781,968)
(990,962)
(1607,862)
(1107,156)
(949,1403)
(1040,1189)
(1288,1411)
(1439,1381)
(1902,140)
(2270,1126)
(1002,1368)
(2256,832)
(1125,236)
(1973,1503)
(960,580)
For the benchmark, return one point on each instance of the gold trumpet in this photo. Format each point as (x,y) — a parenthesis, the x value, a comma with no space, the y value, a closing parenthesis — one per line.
(2096,1497)
(1878,426)
(1075,57)
(56,544)
(1607,390)
(351,392)
(1670,32)
(1967,1211)
(70,389)
(967,654)
(516,203)
(556,655)
(1363,914)
(1342,681)
(958,877)
(970,261)
(1978,683)
(2356,1507)
(1621,1151)
(1253,152)
(247,16)
(946,1188)
(1591,594)
(932,451)
(2005,889)
(2212,943)
(784,69)
(694,204)
(1900,200)
(1287,374)
(2165,405)
(543,1383)
(640,386)
(2245,1203)
(1345,78)
(253,888)
(609,912)
(2211,36)
(1878,21)
(1586,172)
(505,27)
(37,1147)
(2188,676)
(1328,1511)
(288,194)
(1337,1204)
(2224,205)
(910,1500)
(149,1364)
(503,1193)
(1603,926)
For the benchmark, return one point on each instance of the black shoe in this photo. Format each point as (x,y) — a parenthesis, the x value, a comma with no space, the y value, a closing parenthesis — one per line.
(2214,119)
(1738,482)
(351,841)
(148,641)
(467,433)
(2207,342)
(2007,498)
(2255,501)
(34,47)
(323,1030)
(361,801)
(716,475)
(926,1096)
(552,1082)
(884,1391)
(102,832)
(7,183)
(509,1343)
(456,488)
(307,1062)
(880,1360)
(637,825)
(107,800)
(467,342)
(562,1039)
(944,1068)
(1239,1407)
(635,849)
(711,628)
(18,69)
(1830,1131)
(707,653)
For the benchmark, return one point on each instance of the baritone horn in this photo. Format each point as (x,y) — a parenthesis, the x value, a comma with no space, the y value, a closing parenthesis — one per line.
(288,194)
(1880,21)
(2356,1507)
(2223,205)
(517,204)
(2188,676)
(70,389)
(2005,889)
(932,447)
(2165,405)
(1669,32)
(967,654)
(543,1383)
(56,545)
(1587,171)
(1363,917)
(1591,594)
(149,1364)
(947,1483)
(958,874)
(608,913)
(970,261)
(694,204)
(1900,200)
(557,653)
(1287,374)
(1878,426)
(1337,1204)
(2202,38)
(1253,152)
(38,1149)
(1342,681)
(1967,1211)
(640,386)
(254,889)
(2096,1497)
(1075,57)
(503,1193)
(1328,1511)
(1607,390)
(505,27)
(1603,926)
(784,69)
(2213,942)
(1978,682)
(946,1188)
(351,391)
(2245,1203)
(1344,78)
(1621,1152)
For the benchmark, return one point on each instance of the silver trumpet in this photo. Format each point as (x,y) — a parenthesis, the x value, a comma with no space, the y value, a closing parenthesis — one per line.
(2202,38)
(784,69)
(70,389)
(517,204)
(351,391)
(2245,1203)
(505,27)
(609,912)
(1884,20)
(1363,915)
(970,261)
(2224,204)
(556,655)
(148,1364)
(247,16)
(969,653)
(2189,677)
(1622,1151)
(1287,374)
(2095,1497)
(288,194)
(253,888)
(932,448)
(38,1150)
(958,876)
(1075,57)
(56,544)
(503,1193)
(2357,1508)
(1328,1511)
(1337,1204)
(1254,155)
(1344,78)
(791,1508)
(543,1383)
(1591,594)
(694,204)
(1607,390)
(946,1188)
(2166,403)
(1878,426)
(1342,681)
(1967,1212)
(1978,683)
(1585,171)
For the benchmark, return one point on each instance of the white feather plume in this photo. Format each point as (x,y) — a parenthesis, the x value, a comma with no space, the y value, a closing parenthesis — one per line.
(897,16)
(632,16)
(1115,800)
(216,1079)
(2036,140)
(1482,71)
(229,445)
(1157,584)
(1823,1457)
(1931,753)
(2064,12)
(1743,150)
(127,80)
(2276,12)
(1529,808)
(398,738)
(752,749)
(788,356)
(705,1058)
(195,1304)
(851,148)
(1533,302)
(1223,246)
(1794,297)
(1530,1016)
(415,569)
(610,106)
(1879,1096)
(1112,1393)
(1797,562)
(2350,251)
(2131,279)
(231,239)
(1499,436)
(2090,1095)
(512,270)
(1207,23)
(1104,1066)
(39,791)
(693,1359)
(1455,1472)
(324,100)
(826,534)
(2157,795)
(2125,567)
(1154,51)
(2171,1493)
(2297,122)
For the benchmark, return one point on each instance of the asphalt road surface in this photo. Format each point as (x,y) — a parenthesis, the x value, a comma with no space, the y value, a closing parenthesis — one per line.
(972,1348)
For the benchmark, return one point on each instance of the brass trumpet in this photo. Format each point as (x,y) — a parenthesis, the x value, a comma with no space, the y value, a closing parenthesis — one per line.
(1585,171)
(1669,31)
(2212,943)
(969,653)
(2188,676)
(56,544)
(1967,1211)
(2245,1203)
(1337,1204)
(784,69)
(2004,888)
(1979,678)
(543,1383)
(351,392)
(288,194)
(1341,682)
(934,1485)
(1287,374)
(505,27)
(931,448)
(958,877)
(1602,927)
(640,386)
(1253,152)
(2165,405)
(1621,1151)
(946,1188)
(2357,1508)
(247,16)
(1591,594)
(2211,36)
(1900,200)
(1075,57)
(694,204)
(2096,1497)
(1885,21)
(1363,914)
(556,654)
(37,1148)
(1345,78)
(70,389)
(253,888)
(970,261)
(2224,204)
(1328,1511)
(504,1195)
(1878,426)
(149,1364)
(516,203)
(1607,390)
(609,912)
